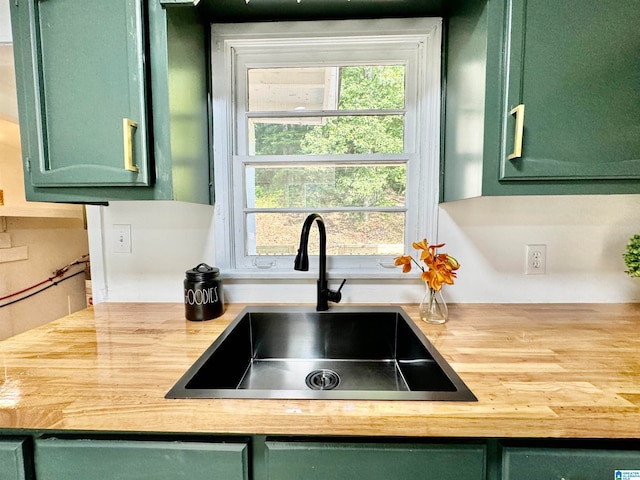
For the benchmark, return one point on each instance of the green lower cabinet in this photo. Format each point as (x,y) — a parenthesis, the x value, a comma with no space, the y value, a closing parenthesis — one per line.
(570,464)
(372,461)
(12,460)
(84,459)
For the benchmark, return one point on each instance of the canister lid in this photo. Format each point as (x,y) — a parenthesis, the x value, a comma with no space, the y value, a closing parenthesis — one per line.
(202,272)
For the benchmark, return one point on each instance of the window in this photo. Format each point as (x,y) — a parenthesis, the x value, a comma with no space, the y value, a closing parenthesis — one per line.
(338,118)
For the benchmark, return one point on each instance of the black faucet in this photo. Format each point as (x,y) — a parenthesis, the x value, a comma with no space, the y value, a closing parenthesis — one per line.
(302,263)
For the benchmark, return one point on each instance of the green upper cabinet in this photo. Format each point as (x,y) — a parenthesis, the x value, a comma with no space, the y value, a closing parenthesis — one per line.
(84,92)
(575,68)
(552,87)
(102,102)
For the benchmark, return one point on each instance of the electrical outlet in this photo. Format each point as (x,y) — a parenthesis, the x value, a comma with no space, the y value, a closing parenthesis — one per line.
(536,259)
(121,238)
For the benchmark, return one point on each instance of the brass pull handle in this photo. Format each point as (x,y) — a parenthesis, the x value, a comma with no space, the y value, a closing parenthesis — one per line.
(127,130)
(517,139)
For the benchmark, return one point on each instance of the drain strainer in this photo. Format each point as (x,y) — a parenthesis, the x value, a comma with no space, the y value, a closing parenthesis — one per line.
(322,380)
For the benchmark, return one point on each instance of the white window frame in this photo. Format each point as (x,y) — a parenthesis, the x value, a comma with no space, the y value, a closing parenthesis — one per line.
(415,42)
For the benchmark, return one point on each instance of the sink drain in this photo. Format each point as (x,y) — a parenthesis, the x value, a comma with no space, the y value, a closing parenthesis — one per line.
(322,380)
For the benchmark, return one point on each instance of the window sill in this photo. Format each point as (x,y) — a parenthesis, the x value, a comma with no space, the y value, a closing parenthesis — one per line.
(363,274)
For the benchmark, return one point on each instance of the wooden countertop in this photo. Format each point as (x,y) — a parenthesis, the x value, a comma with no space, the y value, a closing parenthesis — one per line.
(537,370)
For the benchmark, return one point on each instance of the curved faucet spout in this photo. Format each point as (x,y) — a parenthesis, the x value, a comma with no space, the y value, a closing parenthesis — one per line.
(302,259)
(302,262)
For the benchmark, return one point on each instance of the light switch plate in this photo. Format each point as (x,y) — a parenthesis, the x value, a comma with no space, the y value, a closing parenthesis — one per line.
(121,240)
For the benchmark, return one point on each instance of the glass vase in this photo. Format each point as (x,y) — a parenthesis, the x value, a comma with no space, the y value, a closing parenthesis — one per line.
(433,308)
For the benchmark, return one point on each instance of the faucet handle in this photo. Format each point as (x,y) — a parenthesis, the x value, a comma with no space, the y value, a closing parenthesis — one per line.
(335,297)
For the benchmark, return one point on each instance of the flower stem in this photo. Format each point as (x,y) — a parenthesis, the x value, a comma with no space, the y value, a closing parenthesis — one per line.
(419,266)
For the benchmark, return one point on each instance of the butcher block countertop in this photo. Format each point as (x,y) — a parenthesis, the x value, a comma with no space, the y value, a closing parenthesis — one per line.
(543,371)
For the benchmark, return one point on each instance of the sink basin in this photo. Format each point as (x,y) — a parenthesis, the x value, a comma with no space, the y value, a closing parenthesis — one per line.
(372,353)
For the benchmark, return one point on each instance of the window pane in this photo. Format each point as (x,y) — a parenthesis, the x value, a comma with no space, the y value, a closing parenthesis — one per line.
(365,134)
(325,187)
(326,88)
(348,233)
(287,89)
(371,87)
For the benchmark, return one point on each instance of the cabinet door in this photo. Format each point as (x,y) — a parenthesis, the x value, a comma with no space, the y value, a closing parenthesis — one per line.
(11,460)
(575,67)
(65,459)
(81,91)
(572,464)
(370,461)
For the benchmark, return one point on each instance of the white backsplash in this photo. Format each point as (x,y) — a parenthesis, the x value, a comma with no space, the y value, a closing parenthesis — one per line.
(585,238)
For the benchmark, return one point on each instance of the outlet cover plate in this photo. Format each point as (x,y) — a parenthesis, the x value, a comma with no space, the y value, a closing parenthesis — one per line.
(536,260)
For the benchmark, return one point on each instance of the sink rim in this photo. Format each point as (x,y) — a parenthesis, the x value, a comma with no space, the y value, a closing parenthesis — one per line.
(461,394)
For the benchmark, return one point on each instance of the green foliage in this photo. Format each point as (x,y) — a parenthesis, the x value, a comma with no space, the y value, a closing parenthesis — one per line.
(320,187)
(348,135)
(361,87)
(632,256)
(278,139)
(372,87)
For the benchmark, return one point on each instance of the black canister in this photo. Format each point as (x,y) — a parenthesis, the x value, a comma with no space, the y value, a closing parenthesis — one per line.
(203,296)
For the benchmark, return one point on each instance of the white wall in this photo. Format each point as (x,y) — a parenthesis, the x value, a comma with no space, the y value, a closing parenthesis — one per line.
(5,22)
(51,243)
(585,238)
(167,238)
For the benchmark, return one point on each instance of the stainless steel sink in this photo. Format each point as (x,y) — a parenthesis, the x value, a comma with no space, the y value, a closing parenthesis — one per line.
(372,353)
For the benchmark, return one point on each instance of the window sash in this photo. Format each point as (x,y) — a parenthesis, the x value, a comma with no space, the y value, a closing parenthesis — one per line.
(421,112)
(325,113)
(320,161)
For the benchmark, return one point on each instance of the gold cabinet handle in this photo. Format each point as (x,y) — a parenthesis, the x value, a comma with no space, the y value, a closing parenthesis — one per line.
(517,139)
(127,130)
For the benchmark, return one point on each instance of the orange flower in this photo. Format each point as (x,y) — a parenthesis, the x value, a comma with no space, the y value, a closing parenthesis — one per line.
(428,251)
(405,262)
(440,269)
